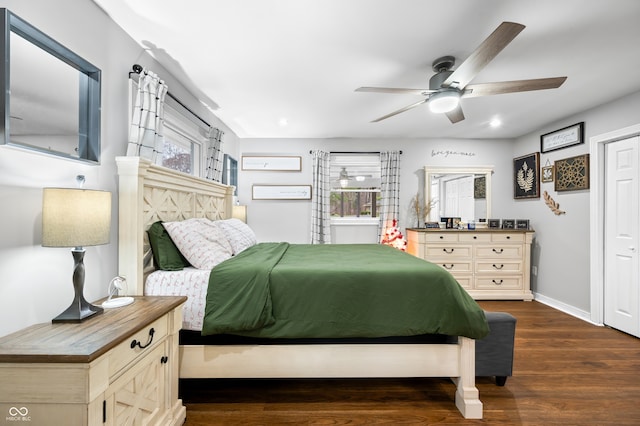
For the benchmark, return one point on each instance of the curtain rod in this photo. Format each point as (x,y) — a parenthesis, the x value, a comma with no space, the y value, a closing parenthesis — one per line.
(137,69)
(352,152)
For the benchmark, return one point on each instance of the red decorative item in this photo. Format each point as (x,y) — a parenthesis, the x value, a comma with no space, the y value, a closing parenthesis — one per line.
(393,237)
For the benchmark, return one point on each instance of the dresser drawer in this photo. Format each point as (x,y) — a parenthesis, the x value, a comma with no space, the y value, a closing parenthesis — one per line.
(145,341)
(498,283)
(441,237)
(513,237)
(474,237)
(499,267)
(456,266)
(440,252)
(498,252)
(465,281)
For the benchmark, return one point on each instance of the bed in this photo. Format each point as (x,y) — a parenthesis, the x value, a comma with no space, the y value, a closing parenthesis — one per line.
(149,193)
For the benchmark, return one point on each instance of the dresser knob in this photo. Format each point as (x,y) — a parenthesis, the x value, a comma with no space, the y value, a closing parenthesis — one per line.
(498,251)
(442,237)
(498,267)
(447,250)
(497,282)
(444,265)
(164,359)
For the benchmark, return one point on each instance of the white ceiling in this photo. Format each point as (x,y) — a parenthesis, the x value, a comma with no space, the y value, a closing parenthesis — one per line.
(264,62)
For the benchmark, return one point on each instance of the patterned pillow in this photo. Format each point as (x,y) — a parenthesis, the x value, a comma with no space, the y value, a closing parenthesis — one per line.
(238,233)
(202,243)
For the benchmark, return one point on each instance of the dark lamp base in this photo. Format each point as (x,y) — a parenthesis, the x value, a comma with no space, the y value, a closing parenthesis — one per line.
(80,309)
(78,312)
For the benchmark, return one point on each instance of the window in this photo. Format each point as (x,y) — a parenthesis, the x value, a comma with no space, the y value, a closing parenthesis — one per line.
(230,172)
(184,138)
(355,185)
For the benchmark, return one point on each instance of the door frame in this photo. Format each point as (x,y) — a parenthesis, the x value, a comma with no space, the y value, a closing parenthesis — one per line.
(596,214)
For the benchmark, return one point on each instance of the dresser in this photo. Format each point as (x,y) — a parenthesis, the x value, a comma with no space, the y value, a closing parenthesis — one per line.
(491,264)
(116,368)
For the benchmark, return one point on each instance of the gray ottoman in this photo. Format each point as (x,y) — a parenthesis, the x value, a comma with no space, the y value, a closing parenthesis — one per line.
(494,353)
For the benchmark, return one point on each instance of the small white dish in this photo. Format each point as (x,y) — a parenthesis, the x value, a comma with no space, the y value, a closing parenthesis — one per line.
(117,302)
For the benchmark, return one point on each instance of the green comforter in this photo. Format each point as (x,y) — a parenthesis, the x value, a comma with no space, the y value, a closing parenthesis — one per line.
(281,290)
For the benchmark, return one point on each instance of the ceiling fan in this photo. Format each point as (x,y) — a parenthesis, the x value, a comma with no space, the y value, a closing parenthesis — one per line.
(447,86)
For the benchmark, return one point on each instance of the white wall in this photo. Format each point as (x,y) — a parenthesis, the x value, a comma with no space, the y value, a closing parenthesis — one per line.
(290,220)
(36,282)
(561,246)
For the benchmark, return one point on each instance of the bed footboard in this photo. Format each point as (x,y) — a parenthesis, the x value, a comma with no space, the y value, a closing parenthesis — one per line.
(456,361)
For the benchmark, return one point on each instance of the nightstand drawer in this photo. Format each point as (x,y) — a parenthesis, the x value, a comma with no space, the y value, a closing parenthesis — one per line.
(137,345)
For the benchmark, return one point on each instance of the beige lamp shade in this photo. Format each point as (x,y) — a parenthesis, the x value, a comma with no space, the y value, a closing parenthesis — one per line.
(239,212)
(75,217)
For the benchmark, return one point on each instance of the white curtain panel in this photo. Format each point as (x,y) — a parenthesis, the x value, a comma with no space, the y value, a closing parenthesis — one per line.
(214,155)
(146,132)
(321,199)
(389,190)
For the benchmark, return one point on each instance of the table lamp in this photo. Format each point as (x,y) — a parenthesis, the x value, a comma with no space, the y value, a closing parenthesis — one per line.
(76,218)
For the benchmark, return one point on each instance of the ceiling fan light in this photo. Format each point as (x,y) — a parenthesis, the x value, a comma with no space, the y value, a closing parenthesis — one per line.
(344,178)
(444,101)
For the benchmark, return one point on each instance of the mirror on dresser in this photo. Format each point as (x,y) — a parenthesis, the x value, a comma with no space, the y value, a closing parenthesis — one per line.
(463,192)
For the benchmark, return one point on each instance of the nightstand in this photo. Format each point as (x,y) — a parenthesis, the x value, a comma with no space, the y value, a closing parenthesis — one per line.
(117,368)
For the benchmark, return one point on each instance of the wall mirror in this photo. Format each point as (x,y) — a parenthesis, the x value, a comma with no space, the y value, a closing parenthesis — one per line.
(51,96)
(463,192)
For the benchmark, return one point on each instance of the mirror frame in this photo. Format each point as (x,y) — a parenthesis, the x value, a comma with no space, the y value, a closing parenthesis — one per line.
(486,171)
(89,87)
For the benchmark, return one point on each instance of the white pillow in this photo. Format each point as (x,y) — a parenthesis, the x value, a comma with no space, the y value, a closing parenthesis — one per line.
(202,243)
(238,233)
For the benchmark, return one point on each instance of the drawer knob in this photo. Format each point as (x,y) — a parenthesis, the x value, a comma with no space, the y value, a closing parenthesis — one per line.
(498,251)
(442,237)
(475,237)
(444,265)
(164,359)
(449,251)
(498,267)
(135,343)
(508,237)
(497,282)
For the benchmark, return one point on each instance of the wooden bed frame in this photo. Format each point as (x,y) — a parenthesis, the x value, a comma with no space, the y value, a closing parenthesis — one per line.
(148,193)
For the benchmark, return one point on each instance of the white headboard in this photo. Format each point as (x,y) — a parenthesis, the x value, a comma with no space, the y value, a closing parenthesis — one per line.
(148,193)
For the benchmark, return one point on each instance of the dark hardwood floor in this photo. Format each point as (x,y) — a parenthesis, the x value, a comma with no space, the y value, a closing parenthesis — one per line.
(566,371)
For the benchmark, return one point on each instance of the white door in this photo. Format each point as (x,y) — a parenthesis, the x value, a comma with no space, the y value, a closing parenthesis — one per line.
(622,220)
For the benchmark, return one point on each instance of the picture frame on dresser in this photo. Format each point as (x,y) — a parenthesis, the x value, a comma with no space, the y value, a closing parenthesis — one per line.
(508,224)
(494,223)
(522,223)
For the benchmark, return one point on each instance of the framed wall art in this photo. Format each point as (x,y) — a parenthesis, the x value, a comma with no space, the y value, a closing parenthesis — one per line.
(526,180)
(285,163)
(522,224)
(494,223)
(572,174)
(546,174)
(508,224)
(281,192)
(562,138)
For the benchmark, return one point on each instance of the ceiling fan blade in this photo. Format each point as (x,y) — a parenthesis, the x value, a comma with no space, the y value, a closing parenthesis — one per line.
(486,89)
(455,115)
(488,49)
(407,108)
(395,90)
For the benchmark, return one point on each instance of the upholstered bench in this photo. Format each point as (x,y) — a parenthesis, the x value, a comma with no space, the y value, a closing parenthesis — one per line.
(494,353)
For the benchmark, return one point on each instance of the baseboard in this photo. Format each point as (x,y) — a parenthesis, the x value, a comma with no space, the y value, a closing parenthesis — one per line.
(563,307)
